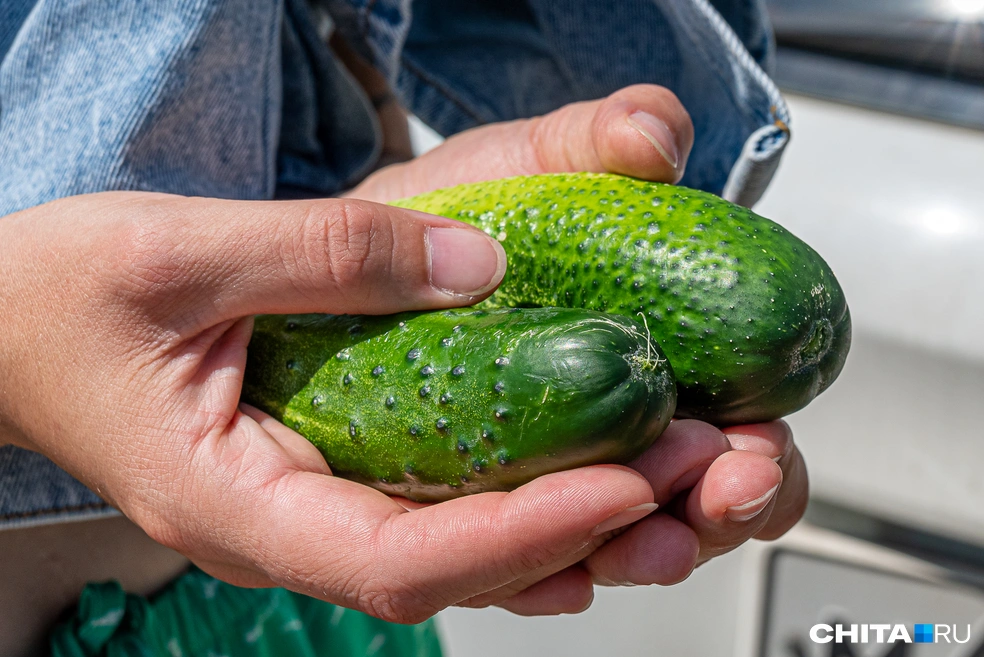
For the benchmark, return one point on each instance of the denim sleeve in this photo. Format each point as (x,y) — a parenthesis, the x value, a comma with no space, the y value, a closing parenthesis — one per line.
(458,65)
(181,96)
(242,98)
(99,96)
(221,98)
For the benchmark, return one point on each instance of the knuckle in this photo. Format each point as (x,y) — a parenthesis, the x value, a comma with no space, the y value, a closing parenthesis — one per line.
(142,266)
(355,245)
(385,589)
(531,556)
(539,131)
(145,256)
(396,602)
(522,556)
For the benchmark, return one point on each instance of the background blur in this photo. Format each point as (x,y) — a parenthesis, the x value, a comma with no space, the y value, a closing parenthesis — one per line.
(885,178)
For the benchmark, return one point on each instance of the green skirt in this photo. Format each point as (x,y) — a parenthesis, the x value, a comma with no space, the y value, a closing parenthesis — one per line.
(199,616)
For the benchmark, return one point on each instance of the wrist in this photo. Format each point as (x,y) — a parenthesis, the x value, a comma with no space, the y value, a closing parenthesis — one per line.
(18,261)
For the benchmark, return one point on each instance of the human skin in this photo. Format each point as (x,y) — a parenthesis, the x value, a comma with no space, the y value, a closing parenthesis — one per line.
(126,319)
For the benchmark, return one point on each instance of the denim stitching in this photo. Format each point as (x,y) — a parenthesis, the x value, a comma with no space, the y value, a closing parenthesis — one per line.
(695,10)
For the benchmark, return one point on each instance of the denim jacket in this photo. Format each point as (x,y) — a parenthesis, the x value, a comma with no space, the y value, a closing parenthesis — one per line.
(244,99)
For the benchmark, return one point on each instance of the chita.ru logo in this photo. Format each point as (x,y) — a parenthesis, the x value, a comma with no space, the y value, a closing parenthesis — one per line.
(888,633)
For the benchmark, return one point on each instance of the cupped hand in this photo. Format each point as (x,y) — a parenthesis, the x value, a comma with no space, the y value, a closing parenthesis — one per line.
(717,489)
(126,318)
(714,491)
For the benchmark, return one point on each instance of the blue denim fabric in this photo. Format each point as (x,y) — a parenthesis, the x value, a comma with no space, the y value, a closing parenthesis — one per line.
(496,60)
(244,99)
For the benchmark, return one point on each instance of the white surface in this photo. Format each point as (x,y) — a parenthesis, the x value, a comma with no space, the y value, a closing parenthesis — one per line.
(896,206)
(696,619)
(422,137)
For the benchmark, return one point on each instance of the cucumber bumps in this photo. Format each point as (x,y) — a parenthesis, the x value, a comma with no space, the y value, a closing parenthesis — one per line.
(751,318)
(436,405)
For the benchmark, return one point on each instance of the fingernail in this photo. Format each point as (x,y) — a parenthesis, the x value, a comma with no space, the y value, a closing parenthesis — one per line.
(464,261)
(587,606)
(759,444)
(623,518)
(658,134)
(748,510)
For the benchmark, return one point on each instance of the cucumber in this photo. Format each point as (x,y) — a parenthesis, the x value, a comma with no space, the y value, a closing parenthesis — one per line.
(436,405)
(752,318)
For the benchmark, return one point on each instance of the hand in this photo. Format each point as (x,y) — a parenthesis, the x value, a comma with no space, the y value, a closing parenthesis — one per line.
(641,131)
(125,319)
(717,489)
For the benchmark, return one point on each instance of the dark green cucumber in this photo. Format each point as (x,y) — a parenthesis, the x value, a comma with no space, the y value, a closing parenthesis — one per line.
(752,319)
(435,405)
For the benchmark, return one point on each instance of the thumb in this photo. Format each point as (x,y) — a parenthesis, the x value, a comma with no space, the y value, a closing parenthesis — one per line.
(641,131)
(226,259)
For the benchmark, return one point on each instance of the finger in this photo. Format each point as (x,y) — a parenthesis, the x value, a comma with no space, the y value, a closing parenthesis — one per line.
(732,502)
(641,131)
(772,439)
(301,450)
(225,259)
(680,457)
(531,580)
(569,591)
(346,543)
(659,549)
(775,440)
(656,549)
(223,358)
